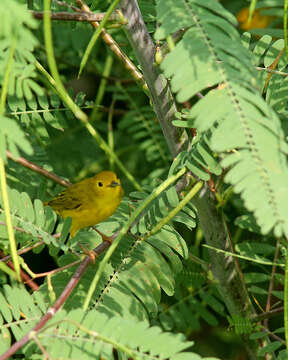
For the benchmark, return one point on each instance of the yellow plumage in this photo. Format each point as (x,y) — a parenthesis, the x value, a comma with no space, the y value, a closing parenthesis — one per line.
(89,201)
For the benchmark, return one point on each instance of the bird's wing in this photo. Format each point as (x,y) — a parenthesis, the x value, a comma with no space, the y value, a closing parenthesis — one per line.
(66,200)
(74,196)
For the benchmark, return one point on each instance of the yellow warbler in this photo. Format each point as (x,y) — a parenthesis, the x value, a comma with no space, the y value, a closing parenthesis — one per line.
(89,201)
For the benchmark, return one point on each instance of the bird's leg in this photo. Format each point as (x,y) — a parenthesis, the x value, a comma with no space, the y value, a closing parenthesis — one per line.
(90,253)
(104,237)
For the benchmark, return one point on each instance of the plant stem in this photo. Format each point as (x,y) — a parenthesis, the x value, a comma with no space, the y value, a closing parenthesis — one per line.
(286,300)
(6,76)
(95,115)
(111,43)
(110,137)
(96,35)
(175,211)
(285,19)
(6,206)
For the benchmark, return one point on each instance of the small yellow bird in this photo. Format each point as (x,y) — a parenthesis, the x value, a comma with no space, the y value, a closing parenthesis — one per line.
(89,201)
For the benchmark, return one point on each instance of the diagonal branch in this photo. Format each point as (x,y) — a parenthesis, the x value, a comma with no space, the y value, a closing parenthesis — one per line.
(38,169)
(111,43)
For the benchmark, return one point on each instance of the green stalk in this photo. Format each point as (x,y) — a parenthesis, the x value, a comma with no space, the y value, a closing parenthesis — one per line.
(56,82)
(175,211)
(9,225)
(96,35)
(242,257)
(6,76)
(155,193)
(95,115)
(7,270)
(12,241)
(286,300)
(285,27)
(170,43)
(110,138)
(251,10)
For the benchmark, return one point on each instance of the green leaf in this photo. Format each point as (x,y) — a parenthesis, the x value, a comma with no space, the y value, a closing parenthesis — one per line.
(243,130)
(13,137)
(140,340)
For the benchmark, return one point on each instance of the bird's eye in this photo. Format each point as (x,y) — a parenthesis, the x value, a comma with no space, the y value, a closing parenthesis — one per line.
(100,184)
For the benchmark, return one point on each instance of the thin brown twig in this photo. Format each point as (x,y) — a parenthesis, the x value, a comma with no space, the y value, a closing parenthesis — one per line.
(29,248)
(23,251)
(24,277)
(41,347)
(76,16)
(267,315)
(55,271)
(111,43)
(277,72)
(38,169)
(65,4)
(274,336)
(17,228)
(273,66)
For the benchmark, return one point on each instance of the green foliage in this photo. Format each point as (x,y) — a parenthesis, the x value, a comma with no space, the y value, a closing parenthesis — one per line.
(96,334)
(17,33)
(160,208)
(190,310)
(18,316)
(199,159)
(12,138)
(231,99)
(33,219)
(134,278)
(211,55)
(40,113)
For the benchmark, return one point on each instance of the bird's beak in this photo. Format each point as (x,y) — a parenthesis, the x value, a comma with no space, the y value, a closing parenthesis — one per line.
(114,184)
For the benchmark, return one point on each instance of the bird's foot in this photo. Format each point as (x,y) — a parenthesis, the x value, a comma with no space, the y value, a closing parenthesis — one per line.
(104,237)
(91,253)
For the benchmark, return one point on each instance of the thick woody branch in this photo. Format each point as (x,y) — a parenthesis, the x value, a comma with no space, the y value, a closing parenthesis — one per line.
(160,93)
